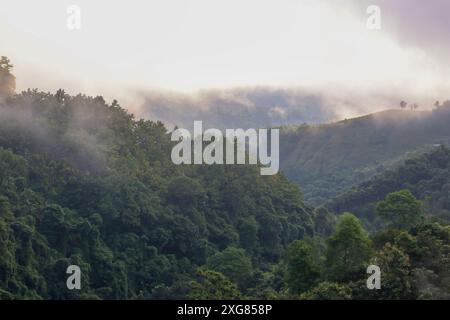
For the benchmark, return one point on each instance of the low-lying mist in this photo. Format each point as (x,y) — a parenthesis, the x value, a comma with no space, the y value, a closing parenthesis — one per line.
(257,107)
(61,126)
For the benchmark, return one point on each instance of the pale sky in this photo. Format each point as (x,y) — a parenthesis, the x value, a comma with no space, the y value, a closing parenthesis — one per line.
(186,45)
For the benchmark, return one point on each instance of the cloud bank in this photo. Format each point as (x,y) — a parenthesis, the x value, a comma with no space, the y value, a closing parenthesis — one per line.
(258,107)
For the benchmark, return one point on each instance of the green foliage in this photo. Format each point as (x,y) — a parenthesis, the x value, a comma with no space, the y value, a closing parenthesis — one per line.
(248,233)
(83,182)
(233,263)
(325,221)
(328,291)
(348,250)
(400,209)
(301,270)
(185,191)
(212,285)
(396,273)
(426,176)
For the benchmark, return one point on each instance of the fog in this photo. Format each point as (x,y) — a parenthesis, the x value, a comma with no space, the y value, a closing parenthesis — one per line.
(259,107)
(26,122)
(233,63)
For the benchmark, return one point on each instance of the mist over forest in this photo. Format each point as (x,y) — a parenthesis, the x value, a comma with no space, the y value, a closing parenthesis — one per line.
(85,183)
(258,107)
(134,154)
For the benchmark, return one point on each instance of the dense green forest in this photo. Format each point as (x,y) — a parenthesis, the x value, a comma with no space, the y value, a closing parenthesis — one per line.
(427,176)
(83,182)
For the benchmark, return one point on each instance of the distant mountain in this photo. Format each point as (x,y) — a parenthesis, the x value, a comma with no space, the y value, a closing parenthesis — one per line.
(328,159)
(257,107)
(426,176)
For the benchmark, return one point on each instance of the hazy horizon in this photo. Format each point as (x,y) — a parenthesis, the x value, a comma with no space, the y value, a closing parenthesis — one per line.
(181,49)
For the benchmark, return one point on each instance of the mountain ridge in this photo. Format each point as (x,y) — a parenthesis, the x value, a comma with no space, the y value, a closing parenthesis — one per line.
(340,155)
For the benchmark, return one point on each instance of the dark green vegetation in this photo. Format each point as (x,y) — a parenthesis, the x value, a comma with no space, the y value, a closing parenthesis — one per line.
(414,259)
(327,160)
(82,182)
(427,176)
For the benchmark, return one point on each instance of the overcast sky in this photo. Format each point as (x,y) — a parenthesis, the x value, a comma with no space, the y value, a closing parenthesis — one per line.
(186,45)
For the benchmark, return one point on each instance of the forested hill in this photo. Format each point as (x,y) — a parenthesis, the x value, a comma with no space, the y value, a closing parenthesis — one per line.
(426,176)
(328,159)
(82,182)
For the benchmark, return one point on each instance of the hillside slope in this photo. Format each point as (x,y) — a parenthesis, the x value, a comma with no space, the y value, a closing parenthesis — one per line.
(328,159)
(426,176)
(83,182)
